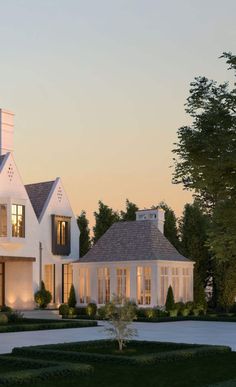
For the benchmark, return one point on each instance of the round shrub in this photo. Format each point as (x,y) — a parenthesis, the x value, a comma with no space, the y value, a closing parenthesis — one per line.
(196,311)
(64,309)
(173,313)
(3,319)
(6,308)
(72,312)
(179,306)
(184,312)
(42,297)
(91,309)
(151,313)
(101,313)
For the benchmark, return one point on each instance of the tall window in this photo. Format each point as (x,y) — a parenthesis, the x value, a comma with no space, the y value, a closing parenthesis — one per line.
(103,285)
(61,236)
(18,220)
(164,284)
(62,233)
(84,296)
(3,220)
(144,285)
(67,278)
(49,279)
(186,284)
(175,282)
(121,282)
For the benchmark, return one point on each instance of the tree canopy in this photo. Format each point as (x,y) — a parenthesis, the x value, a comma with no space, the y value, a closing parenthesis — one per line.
(85,241)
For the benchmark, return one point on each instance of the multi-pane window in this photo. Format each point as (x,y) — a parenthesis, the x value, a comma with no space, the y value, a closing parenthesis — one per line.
(104,284)
(3,220)
(18,220)
(144,285)
(186,284)
(175,282)
(121,283)
(67,278)
(49,279)
(84,296)
(164,284)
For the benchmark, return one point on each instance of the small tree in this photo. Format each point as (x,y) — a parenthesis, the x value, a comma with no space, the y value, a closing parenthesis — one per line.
(120,313)
(72,297)
(170,301)
(42,297)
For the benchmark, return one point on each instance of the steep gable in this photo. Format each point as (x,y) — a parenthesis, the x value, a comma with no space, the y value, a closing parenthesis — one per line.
(38,194)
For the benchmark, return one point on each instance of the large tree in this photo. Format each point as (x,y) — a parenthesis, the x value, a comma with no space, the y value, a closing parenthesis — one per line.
(104,218)
(85,241)
(206,164)
(194,227)
(130,211)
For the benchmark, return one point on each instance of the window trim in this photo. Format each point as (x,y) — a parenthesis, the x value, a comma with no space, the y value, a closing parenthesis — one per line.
(61,249)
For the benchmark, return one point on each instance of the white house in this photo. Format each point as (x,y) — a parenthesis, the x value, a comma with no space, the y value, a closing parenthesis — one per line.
(39,236)
(39,240)
(134,260)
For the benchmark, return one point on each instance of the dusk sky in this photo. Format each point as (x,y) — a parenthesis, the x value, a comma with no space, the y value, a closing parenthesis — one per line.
(98,89)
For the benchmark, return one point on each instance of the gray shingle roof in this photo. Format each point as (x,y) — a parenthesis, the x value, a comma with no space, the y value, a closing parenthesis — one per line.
(2,159)
(133,241)
(38,194)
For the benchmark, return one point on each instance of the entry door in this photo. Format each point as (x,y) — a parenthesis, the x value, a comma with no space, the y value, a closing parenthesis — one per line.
(2,284)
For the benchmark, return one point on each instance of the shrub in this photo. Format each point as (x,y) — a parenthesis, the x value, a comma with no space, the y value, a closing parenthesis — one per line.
(81,311)
(185,312)
(173,313)
(6,308)
(42,297)
(72,312)
(189,305)
(91,309)
(101,313)
(170,301)
(72,297)
(15,316)
(141,313)
(179,306)
(196,311)
(64,309)
(3,319)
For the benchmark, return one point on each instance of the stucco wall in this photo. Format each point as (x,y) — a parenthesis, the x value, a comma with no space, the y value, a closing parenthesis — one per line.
(19,285)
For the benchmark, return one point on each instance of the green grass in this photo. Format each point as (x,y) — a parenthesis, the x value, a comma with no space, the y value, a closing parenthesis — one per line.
(195,372)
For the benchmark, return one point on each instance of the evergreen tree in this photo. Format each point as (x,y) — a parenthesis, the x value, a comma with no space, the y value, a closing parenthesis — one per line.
(170,225)
(104,218)
(170,301)
(194,227)
(130,213)
(72,297)
(85,241)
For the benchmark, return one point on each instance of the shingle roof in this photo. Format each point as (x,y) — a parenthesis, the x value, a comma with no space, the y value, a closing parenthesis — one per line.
(38,194)
(2,159)
(133,241)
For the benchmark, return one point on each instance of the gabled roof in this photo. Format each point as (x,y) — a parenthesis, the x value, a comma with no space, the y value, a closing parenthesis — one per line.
(133,241)
(38,194)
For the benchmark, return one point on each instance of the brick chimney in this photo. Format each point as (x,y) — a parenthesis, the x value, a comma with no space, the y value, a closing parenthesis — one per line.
(156,215)
(6,131)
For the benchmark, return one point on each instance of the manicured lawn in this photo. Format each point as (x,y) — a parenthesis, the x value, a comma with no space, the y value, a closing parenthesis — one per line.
(195,372)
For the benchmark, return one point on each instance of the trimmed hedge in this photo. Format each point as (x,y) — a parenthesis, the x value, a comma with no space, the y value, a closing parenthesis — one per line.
(188,318)
(154,358)
(45,325)
(228,383)
(43,374)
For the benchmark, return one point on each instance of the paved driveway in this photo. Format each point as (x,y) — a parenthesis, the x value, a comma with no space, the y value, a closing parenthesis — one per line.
(198,332)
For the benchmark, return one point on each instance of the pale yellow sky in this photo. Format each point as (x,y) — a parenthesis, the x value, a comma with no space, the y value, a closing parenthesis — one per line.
(98,89)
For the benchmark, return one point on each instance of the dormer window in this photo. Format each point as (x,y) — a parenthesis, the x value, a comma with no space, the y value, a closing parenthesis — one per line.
(60,235)
(18,220)
(3,220)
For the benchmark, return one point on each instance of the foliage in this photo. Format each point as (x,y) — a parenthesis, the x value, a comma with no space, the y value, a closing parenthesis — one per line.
(72,297)
(205,163)
(64,309)
(85,241)
(42,297)
(3,318)
(120,313)
(91,309)
(104,218)
(130,213)
(170,301)
(194,227)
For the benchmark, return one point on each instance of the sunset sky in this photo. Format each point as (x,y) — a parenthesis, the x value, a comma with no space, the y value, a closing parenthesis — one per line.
(98,89)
